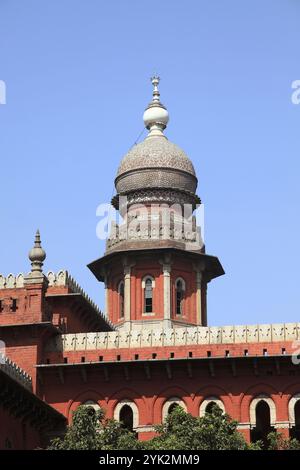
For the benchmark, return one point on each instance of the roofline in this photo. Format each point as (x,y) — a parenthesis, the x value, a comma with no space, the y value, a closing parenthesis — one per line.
(178,359)
(92,266)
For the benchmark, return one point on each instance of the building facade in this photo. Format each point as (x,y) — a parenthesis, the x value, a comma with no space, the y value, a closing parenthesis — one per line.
(152,348)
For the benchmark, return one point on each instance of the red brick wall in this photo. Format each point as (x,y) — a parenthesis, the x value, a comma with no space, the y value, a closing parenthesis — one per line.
(16,434)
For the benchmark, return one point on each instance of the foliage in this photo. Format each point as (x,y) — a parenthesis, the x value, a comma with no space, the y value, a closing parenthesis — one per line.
(214,431)
(90,430)
(276,441)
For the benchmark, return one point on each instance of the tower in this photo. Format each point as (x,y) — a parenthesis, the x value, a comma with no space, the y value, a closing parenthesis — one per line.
(155,268)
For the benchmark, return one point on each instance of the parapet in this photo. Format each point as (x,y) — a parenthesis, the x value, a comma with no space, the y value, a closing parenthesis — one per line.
(267,333)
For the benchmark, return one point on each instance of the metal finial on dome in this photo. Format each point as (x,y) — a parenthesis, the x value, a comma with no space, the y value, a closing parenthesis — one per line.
(155,82)
(156,116)
(37,255)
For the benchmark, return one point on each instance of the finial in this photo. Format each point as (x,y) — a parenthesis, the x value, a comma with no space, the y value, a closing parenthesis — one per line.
(156,116)
(37,255)
(155,82)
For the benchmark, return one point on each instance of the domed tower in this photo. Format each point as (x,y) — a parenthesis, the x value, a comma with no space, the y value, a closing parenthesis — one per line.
(155,268)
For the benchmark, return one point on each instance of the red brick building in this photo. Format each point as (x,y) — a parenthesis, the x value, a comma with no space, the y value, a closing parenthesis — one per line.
(152,347)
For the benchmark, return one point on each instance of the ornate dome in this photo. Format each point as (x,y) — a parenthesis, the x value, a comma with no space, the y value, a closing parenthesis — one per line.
(156,163)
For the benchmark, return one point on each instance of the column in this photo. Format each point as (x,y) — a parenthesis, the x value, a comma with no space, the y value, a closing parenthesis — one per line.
(167,291)
(199,319)
(127,293)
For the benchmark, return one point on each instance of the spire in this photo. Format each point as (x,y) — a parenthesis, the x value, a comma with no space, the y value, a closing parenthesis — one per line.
(37,256)
(156,116)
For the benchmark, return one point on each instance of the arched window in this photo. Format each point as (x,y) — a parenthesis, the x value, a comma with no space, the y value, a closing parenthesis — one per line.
(148,285)
(126,412)
(170,404)
(263,421)
(179,295)
(121,299)
(294,416)
(208,404)
(126,417)
(92,404)
(172,407)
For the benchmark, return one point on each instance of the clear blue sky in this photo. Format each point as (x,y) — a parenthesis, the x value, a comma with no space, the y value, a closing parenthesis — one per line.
(77,76)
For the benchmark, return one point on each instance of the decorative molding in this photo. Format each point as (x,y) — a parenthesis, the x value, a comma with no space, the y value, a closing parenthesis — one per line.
(178,336)
(11,281)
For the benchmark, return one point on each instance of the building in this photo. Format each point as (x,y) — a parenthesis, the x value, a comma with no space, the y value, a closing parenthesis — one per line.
(152,349)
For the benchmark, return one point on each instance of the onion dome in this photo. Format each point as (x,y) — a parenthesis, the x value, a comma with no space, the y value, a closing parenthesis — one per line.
(156,170)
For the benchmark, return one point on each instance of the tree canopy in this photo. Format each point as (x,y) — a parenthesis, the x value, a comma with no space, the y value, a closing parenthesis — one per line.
(91,430)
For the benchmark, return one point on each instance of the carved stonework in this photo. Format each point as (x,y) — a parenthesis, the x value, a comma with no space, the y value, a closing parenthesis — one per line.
(156,153)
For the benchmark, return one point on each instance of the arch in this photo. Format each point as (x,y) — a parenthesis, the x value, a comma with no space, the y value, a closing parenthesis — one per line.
(179,295)
(91,403)
(170,403)
(254,404)
(292,403)
(124,405)
(254,391)
(208,402)
(121,292)
(148,285)
(82,398)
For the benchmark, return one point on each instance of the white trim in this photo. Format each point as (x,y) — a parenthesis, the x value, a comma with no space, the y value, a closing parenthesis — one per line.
(292,404)
(145,278)
(134,408)
(182,281)
(168,403)
(207,401)
(254,404)
(91,403)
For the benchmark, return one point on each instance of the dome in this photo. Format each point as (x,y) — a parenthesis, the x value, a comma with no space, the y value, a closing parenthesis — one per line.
(156,163)
(156,170)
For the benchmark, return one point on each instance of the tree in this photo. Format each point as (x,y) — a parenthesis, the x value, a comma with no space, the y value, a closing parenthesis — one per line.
(214,431)
(91,431)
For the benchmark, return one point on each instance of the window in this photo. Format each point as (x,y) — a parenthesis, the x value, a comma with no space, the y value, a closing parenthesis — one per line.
(209,403)
(14,305)
(262,418)
(170,405)
(127,413)
(180,288)
(210,406)
(294,416)
(121,299)
(148,296)
(126,417)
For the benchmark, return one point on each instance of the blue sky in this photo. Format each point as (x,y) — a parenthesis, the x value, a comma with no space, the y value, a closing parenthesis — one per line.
(77,77)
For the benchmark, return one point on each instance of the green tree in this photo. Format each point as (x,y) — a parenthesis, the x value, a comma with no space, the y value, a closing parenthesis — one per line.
(277,441)
(90,430)
(214,431)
